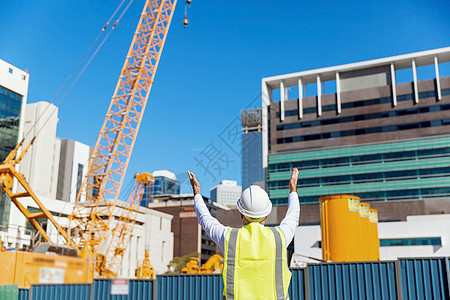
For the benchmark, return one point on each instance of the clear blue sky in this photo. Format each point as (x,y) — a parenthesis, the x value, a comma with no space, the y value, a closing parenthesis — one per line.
(208,72)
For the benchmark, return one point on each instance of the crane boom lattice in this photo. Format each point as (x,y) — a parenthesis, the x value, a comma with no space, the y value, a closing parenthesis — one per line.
(100,189)
(122,230)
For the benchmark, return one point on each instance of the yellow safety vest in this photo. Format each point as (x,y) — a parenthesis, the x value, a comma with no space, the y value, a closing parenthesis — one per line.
(255,264)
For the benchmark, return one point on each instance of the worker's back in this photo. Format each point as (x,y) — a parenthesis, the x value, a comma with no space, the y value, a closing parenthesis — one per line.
(255,263)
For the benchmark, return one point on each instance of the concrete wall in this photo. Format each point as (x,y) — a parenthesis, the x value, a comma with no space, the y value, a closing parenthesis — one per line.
(42,160)
(366,78)
(73,154)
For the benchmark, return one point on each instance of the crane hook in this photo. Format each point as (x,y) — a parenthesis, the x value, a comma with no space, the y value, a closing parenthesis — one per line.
(186,21)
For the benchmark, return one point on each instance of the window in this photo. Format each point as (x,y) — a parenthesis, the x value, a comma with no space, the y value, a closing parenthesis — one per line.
(411,242)
(10,70)
(79,177)
(372,116)
(363,131)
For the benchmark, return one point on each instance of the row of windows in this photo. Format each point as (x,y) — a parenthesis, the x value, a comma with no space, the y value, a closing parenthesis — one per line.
(10,94)
(363,131)
(8,109)
(361,159)
(424,193)
(363,178)
(366,117)
(376,101)
(411,242)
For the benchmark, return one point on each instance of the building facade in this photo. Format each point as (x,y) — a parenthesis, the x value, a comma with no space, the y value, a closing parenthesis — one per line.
(73,166)
(13,96)
(40,165)
(166,183)
(252,170)
(226,193)
(188,234)
(370,136)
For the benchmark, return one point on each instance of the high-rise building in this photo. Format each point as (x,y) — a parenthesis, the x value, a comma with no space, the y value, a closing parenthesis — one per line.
(226,193)
(73,165)
(40,165)
(13,96)
(354,129)
(252,170)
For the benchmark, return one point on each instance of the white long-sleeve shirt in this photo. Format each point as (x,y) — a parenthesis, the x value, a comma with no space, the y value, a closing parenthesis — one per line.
(217,231)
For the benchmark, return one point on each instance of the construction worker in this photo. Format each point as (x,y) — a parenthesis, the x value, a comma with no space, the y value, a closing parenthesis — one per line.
(255,259)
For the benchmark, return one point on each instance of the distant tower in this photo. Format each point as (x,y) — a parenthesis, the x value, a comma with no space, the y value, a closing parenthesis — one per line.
(226,193)
(252,165)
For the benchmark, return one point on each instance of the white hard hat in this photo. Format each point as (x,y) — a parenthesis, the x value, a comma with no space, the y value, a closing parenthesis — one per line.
(254,202)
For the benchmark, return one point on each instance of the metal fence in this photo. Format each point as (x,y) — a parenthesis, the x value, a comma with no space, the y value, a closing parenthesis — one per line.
(60,291)
(102,289)
(365,280)
(424,278)
(189,287)
(23,294)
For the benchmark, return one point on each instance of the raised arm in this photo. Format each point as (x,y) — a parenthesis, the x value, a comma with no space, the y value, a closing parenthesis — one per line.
(211,225)
(291,220)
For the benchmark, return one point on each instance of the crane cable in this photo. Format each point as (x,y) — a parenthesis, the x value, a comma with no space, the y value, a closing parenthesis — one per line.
(185,20)
(81,72)
(78,64)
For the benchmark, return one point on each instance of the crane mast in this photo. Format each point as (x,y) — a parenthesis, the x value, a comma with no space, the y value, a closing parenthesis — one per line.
(100,189)
(121,232)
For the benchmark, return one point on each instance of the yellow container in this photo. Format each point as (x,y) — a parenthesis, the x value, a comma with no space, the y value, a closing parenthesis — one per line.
(27,268)
(364,209)
(340,228)
(374,243)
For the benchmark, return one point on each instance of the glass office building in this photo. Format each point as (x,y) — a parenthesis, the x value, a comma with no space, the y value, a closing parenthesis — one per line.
(371,136)
(252,171)
(10,108)
(13,91)
(412,169)
(163,186)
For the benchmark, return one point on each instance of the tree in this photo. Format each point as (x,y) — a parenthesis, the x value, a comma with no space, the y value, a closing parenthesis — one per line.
(179,262)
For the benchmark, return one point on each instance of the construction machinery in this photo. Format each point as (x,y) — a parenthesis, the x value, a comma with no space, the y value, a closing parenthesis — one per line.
(145,271)
(213,265)
(110,263)
(91,219)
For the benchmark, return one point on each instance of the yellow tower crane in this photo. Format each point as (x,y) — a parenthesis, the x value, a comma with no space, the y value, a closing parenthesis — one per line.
(100,188)
(93,212)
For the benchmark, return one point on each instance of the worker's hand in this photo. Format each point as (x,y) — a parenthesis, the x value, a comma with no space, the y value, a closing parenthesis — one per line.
(194,182)
(293,181)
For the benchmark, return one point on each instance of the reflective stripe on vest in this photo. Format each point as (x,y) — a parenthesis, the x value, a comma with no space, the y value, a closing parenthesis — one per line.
(278,264)
(231,263)
(230,266)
